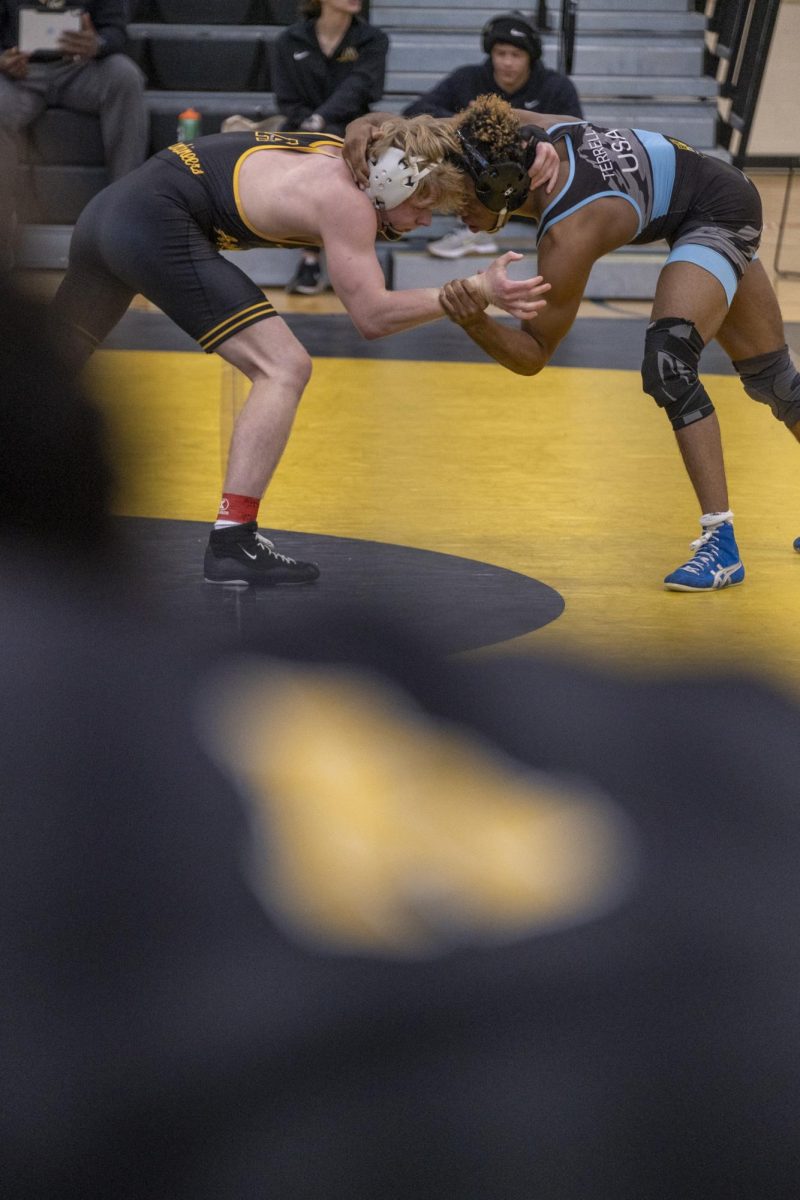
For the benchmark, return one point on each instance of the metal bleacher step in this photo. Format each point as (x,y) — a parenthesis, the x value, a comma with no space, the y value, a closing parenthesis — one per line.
(422,55)
(597,22)
(164,108)
(680,87)
(693,121)
(484,9)
(635,54)
(142,30)
(43,247)
(615,7)
(642,19)
(410,84)
(161,100)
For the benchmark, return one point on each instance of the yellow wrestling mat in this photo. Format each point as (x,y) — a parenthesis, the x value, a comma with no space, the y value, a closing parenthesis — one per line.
(572,477)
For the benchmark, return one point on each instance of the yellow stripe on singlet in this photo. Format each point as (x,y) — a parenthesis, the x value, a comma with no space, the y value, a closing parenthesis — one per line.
(234,321)
(269,311)
(320,146)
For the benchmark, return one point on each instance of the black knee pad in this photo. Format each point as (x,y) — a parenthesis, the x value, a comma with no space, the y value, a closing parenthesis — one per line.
(672,349)
(773,379)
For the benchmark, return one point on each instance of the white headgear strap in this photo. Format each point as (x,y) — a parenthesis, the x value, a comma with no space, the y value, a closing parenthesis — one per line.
(394,177)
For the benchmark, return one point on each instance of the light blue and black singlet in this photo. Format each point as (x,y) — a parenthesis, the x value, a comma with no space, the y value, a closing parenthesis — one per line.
(707,211)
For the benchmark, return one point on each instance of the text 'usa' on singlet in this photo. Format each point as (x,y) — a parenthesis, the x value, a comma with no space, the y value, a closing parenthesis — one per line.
(646,169)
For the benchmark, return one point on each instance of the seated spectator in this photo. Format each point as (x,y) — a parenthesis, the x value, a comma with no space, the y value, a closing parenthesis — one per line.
(513,71)
(90,74)
(326,71)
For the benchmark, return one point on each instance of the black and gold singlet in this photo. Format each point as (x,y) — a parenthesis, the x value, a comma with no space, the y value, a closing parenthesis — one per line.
(163,230)
(216,161)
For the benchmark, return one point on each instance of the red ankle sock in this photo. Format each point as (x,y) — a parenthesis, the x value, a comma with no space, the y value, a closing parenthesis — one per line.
(236,510)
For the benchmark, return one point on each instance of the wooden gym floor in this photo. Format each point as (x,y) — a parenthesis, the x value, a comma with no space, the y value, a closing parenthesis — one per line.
(544,512)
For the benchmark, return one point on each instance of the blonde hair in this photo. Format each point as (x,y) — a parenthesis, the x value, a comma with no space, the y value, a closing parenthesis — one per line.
(432,140)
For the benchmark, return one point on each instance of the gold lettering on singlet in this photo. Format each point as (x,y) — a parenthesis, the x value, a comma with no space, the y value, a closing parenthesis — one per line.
(277,139)
(225,241)
(188,157)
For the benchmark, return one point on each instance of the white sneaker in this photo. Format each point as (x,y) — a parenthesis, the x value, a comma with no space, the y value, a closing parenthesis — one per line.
(461,242)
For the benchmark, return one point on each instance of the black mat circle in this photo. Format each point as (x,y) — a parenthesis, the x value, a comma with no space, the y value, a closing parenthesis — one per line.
(454,603)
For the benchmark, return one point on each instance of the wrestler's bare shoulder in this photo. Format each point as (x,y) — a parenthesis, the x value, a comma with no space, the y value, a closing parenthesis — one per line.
(274,169)
(294,191)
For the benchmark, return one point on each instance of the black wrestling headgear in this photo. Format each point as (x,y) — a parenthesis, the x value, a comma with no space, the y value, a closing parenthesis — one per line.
(514,30)
(501,186)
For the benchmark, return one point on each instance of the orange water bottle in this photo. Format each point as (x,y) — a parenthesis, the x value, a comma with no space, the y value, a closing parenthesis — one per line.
(188,125)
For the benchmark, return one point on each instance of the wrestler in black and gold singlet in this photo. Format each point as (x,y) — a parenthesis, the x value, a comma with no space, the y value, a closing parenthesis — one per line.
(159,230)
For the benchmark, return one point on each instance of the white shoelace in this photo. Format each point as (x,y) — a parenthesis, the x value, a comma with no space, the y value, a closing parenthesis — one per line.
(702,558)
(271,547)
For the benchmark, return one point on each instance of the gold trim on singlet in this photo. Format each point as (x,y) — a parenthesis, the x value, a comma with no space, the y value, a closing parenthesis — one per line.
(319,146)
(243,317)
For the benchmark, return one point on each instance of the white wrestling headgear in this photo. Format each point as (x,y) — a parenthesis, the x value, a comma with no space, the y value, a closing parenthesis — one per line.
(394,178)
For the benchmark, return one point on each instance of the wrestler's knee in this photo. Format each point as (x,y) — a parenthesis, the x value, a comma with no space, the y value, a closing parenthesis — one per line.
(295,368)
(773,379)
(290,367)
(672,350)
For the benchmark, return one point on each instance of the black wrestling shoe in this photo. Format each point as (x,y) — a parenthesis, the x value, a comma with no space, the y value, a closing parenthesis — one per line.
(239,554)
(307,279)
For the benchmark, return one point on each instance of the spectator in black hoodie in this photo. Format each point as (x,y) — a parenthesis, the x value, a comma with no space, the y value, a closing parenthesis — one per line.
(326,71)
(512,70)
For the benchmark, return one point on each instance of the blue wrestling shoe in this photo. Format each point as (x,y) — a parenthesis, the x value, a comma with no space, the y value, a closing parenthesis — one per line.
(796,544)
(716,563)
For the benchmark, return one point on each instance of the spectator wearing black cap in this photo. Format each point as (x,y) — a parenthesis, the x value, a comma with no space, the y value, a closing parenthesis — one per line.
(513,70)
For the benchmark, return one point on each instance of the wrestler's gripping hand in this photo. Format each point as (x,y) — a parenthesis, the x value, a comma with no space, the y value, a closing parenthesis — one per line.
(464,299)
(462,302)
(545,167)
(358,137)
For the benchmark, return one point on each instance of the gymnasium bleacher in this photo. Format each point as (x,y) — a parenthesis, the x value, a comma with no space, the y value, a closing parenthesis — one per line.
(634,63)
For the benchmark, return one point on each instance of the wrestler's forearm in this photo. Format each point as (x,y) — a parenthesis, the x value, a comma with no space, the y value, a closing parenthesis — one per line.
(392,312)
(512,347)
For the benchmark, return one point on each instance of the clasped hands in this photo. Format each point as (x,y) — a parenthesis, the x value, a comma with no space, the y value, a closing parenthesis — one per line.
(465,300)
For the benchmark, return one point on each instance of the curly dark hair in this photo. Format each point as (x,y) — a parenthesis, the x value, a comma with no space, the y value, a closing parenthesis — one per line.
(489,126)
